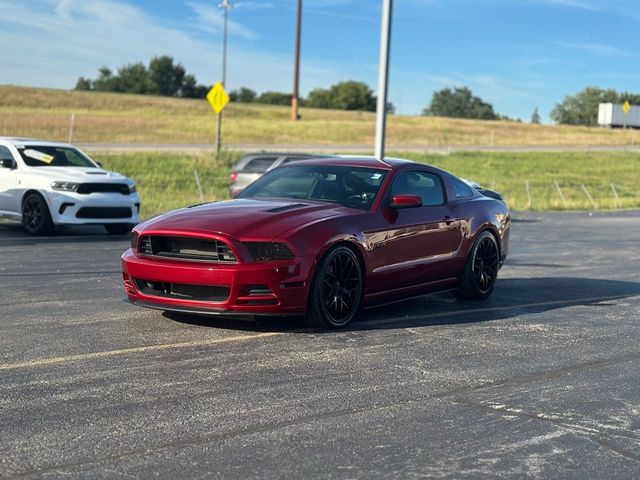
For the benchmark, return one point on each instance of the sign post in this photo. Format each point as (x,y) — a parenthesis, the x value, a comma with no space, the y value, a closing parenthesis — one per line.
(626,108)
(218,99)
(383,78)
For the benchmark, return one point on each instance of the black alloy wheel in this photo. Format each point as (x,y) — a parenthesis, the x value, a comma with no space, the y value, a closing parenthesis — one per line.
(482,268)
(36,218)
(336,291)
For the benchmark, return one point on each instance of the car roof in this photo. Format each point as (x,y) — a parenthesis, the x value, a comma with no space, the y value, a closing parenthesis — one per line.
(389,163)
(19,141)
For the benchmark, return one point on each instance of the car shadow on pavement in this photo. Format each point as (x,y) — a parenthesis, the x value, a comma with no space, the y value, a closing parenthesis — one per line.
(512,297)
(12,234)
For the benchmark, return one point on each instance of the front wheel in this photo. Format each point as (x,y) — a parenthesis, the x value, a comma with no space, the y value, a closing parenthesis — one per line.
(36,219)
(336,290)
(118,228)
(481,272)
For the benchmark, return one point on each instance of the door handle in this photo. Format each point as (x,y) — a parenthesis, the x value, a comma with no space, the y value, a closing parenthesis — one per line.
(448,220)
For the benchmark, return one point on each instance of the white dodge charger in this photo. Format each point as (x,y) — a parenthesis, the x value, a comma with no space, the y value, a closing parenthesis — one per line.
(45,184)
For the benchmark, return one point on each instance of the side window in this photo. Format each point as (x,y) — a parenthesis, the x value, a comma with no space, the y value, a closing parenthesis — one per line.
(5,154)
(259,165)
(461,189)
(427,185)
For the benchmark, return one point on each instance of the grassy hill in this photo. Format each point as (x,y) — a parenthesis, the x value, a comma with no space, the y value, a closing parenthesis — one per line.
(122,118)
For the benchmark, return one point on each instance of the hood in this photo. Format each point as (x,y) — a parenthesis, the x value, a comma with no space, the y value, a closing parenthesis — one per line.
(246,219)
(79,174)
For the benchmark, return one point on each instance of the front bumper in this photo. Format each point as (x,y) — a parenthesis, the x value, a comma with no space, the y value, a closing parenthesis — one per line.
(286,280)
(64,207)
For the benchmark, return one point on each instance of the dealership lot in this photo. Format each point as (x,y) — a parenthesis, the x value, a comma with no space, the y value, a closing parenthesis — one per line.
(540,380)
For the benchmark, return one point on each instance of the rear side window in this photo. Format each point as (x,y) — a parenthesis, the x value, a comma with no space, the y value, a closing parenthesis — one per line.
(425,184)
(461,189)
(5,153)
(259,165)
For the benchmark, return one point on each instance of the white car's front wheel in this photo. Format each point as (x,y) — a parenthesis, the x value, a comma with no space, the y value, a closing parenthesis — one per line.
(36,219)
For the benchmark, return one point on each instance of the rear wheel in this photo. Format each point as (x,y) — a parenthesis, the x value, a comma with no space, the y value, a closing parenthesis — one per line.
(481,272)
(118,228)
(336,290)
(36,219)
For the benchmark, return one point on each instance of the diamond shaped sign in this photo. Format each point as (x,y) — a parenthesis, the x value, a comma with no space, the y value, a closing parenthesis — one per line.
(218,97)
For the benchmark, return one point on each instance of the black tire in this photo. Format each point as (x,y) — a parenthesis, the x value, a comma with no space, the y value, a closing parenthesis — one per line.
(336,290)
(36,218)
(118,228)
(481,271)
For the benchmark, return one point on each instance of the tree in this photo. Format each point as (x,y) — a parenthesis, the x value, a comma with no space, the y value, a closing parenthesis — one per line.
(134,78)
(166,78)
(83,84)
(105,82)
(191,89)
(243,95)
(535,117)
(319,98)
(274,98)
(459,103)
(582,108)
(352,95)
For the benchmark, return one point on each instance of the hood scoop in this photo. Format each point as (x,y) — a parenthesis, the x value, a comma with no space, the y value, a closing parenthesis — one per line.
(96,173)
(284,208)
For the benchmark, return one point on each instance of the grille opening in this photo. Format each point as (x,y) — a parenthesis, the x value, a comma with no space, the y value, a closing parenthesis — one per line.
(187,248)
(87,188)
(258,291)
(183,291)
(104,212)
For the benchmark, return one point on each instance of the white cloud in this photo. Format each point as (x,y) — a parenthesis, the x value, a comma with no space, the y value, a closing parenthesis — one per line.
(601,49)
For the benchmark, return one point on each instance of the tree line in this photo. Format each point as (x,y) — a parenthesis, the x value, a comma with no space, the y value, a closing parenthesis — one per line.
(163,76)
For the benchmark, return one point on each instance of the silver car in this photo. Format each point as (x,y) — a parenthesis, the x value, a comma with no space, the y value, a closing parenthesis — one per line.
(254,165)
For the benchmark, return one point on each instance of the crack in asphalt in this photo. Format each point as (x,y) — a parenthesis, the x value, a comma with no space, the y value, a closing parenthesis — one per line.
(592,434)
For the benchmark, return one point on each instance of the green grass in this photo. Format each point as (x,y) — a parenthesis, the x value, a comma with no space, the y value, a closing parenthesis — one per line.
(166,180)
(124,118)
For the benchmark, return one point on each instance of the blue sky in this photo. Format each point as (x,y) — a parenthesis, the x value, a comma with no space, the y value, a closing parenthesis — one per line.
(516,54)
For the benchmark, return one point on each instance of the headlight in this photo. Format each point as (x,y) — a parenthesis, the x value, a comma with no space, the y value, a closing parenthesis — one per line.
(269,251)
(134,241)
(132,188)
(65,186)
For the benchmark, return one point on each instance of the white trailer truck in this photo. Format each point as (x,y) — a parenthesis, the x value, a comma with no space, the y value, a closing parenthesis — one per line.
(612,115)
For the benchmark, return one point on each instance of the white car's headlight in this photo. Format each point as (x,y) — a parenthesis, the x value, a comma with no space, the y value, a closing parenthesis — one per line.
(132,188)
(65,186)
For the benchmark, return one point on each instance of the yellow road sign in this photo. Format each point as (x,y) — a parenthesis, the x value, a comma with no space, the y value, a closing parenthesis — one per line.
(217,97)
(626,107)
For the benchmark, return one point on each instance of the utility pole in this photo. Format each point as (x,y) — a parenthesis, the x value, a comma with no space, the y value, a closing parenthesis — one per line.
(226,6)
(296,69)
(383,78)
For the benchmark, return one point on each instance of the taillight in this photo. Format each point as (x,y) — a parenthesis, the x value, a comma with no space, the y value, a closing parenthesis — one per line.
(233,177)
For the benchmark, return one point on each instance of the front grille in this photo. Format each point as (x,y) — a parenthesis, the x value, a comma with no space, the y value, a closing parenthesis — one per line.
(183,291)
(104,212)
(187,248)
(86,188)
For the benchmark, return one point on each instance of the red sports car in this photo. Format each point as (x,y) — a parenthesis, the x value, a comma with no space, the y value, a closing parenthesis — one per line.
(321,238)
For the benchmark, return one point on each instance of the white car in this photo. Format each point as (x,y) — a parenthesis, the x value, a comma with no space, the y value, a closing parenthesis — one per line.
(45,184)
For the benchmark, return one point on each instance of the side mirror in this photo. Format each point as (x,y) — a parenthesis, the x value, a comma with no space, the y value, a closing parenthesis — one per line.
(406,201)
(100,164)
(7,163)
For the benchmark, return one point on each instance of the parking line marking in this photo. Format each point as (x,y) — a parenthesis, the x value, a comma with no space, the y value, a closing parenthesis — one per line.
(124,351)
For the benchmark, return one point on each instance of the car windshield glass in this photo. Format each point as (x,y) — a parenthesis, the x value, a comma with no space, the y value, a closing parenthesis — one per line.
(354,187)
(48,156)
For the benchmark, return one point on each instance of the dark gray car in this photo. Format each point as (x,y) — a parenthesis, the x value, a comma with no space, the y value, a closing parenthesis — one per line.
(254,165)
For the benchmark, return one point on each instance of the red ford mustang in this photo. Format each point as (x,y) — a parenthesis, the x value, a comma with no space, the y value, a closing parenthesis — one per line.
(321,238)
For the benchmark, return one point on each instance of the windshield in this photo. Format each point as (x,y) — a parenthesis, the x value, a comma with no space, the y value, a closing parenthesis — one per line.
(354,187)
(48,156)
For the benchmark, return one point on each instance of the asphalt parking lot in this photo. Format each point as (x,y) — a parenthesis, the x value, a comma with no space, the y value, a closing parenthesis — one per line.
(542,380)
